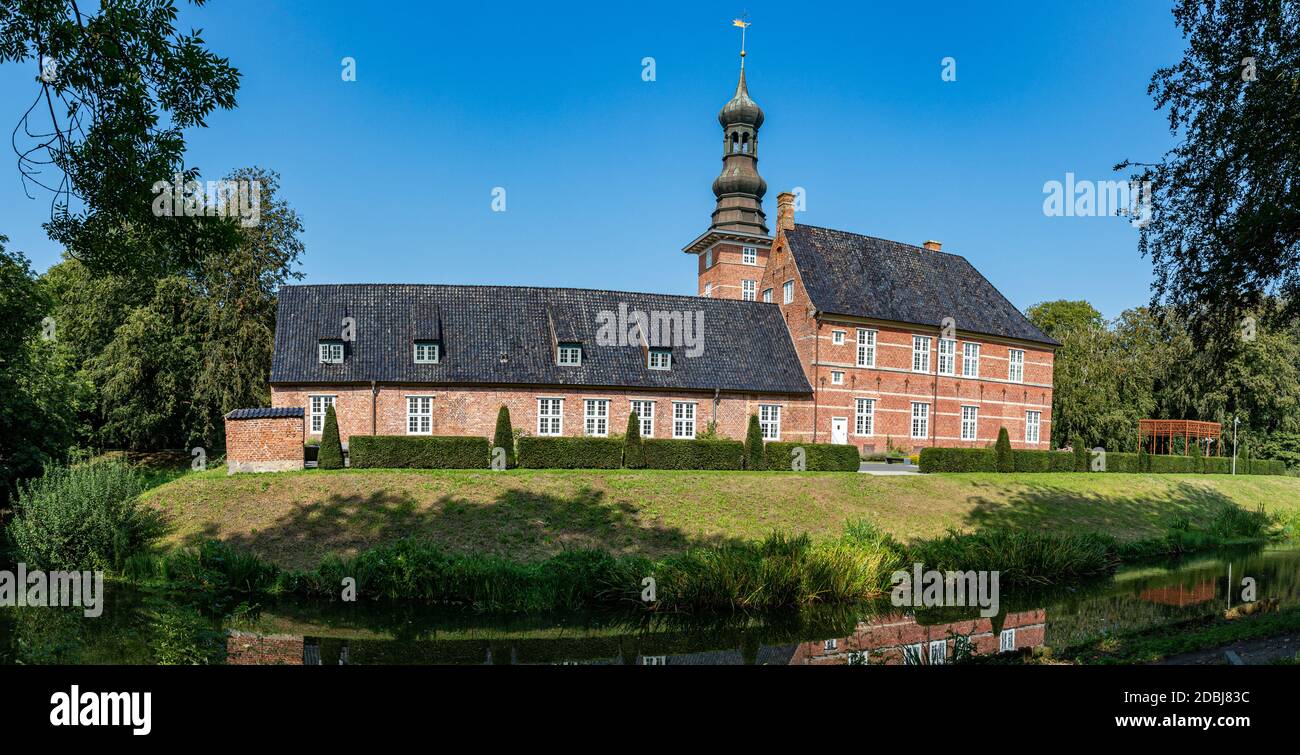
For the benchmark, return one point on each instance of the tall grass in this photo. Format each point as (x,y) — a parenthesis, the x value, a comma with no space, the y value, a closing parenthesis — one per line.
(1021,557)
(84,516)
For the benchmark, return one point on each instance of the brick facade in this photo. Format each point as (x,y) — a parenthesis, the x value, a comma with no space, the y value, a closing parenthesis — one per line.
(264,444)
(894,386)
(468,410)
(725,277)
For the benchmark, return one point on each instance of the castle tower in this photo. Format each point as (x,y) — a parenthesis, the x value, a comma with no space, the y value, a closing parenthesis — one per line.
(733,252)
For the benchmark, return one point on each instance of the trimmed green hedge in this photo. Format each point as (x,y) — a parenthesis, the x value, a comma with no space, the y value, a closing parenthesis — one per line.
(819,457)
(985,460)
(418,452)
(570,453)
(958,460)
(661,453)
(1042,461)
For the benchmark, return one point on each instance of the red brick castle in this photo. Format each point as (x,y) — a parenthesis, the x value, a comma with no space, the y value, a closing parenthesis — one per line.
(828,336)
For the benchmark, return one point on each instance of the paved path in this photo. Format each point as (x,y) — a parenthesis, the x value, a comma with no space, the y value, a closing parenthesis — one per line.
(1251,652)
(881,468)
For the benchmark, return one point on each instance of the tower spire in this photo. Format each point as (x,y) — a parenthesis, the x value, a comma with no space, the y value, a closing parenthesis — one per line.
(739,189)
(743,24)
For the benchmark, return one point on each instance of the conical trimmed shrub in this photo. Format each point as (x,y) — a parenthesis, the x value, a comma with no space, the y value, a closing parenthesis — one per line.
(504,437)
(754,444)
(1080,455)
(1005,459)
(330,455)
(633,449)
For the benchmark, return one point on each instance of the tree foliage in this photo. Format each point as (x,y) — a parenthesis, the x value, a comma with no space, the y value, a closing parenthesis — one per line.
(1224,235)
(504,436)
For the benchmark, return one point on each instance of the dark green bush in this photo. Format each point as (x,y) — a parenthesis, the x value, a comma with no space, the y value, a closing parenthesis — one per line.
(418,452)
(1043,461)
(1022,557)
(818,457)
(754,444)
(1002,454)
(633,450)
(661,453)
(87,516)
(958,460)
(330,455)
(1080,455)
(504,437)
(544,452)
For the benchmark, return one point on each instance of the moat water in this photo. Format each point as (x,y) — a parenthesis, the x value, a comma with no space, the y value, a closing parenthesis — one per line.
(140,627)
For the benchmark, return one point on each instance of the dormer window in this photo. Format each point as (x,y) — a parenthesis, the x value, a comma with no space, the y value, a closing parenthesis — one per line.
(331,352)
(661,359)
(569,355)
(427,352)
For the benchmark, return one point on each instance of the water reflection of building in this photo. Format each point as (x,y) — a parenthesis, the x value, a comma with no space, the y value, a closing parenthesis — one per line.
(247,649)
(1180,595)
(899,639)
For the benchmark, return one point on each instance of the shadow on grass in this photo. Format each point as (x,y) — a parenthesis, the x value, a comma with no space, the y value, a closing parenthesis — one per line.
(520,524)
(1123,516)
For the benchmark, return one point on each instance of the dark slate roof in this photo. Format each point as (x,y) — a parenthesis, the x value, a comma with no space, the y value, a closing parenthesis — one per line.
(506,335)
(862,276)
(266,413)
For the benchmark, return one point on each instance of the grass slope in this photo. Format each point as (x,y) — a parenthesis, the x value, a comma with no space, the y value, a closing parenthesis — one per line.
(294,519)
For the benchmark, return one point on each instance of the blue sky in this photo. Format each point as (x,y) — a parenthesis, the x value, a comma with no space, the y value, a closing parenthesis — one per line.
(607,176)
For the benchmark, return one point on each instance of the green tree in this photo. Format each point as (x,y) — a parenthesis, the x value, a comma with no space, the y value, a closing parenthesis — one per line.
(1004,458)
(330,455)
(1198,463)
(37,405)
(1225,230)
(633,448)
(504,437)
(107,121)
(754,444)
(1057,317)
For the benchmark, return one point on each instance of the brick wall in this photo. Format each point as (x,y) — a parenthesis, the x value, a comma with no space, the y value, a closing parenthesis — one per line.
(473,410)
(729,270)
(268,444)
(894,386)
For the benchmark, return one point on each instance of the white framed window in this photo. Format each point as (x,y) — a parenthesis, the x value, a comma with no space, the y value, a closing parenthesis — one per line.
(769,418)
(947,356)
(865,416)
(568,355)
(767,295)
(331,352)
(683,419)
(857,657)
(920,420)
(645,413)
(837,337)
(1007,641)
(837,377)
(419,415)
(1016,366)
(787,291)
(708,289)
(708,258)
(970,360)
(660,359)
(920,353)
(970,417)
(912,654)
(596,417)
(938,652)
(550,416)
(748,289)
(830,645)
(866,348)
(319,406)
(426,352)
(749,255)
(1032,422)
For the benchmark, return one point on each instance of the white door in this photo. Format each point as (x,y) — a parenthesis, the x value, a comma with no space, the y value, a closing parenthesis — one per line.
(839,430)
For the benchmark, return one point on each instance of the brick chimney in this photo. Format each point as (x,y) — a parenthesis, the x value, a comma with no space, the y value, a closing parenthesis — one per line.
(933,245)
(785,211)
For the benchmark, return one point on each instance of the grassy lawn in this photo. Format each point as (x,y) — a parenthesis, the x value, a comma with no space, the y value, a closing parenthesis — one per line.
(296,518)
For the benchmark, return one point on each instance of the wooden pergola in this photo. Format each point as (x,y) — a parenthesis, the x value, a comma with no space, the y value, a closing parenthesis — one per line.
(1157,435)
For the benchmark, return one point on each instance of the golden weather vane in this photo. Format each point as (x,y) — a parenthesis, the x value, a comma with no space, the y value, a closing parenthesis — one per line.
(743,24)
